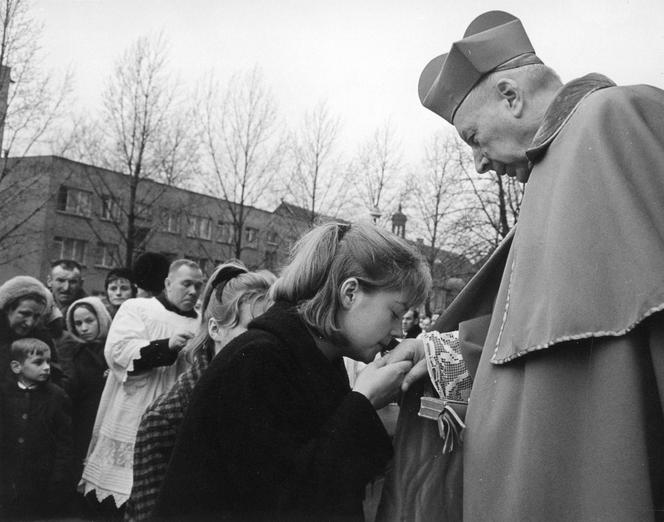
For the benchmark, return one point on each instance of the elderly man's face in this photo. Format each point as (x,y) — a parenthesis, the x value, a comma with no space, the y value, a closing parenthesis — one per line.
(65,284)
(183,286)
(496,137)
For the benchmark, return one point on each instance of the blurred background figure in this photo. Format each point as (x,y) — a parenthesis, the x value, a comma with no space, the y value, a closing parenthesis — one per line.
(410,324)
(425,323)
(119,287)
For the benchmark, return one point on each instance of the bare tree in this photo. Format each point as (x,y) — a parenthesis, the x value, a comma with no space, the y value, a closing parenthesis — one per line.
(143,132)
(32,103)
(377,172)
(437,198)
(242,148)
(435,192)
(318,180)
(492,204)
(36,97)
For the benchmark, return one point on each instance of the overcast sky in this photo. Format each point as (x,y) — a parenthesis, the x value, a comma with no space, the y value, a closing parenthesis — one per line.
(363,57)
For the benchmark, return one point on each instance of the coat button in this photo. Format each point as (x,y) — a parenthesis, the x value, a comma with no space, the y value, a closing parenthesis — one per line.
(24,416)
(21,440)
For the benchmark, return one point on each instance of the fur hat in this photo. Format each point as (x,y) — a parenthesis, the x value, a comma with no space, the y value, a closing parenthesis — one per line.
(20,286)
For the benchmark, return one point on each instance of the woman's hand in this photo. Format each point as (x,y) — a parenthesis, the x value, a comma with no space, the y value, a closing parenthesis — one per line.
(380,382)
(409,350)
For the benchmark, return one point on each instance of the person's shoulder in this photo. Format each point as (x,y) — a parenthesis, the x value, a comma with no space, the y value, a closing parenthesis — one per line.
(620,100)
(55,391)
(255,346)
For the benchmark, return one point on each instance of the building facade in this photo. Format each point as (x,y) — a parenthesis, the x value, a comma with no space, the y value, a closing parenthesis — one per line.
(67,209)
(55,208)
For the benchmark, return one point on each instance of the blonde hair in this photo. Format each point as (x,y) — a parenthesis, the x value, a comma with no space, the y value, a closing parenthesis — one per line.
(329,254)
(229,287)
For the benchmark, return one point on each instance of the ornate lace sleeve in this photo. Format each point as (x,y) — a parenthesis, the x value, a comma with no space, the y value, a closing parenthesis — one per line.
(447,368)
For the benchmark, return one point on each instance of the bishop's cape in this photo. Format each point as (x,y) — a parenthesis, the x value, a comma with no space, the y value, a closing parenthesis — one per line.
(566,414)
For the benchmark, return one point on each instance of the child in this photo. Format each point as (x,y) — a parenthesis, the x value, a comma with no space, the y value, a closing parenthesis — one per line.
(36,440)
(89,321)
(273,430)
(232,298)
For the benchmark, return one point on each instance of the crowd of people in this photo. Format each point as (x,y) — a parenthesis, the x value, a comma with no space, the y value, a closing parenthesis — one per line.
(172,397)
(110,404)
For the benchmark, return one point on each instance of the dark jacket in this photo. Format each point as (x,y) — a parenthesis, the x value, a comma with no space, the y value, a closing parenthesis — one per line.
(35,450)
(413,331)
(85,388)
(274,432)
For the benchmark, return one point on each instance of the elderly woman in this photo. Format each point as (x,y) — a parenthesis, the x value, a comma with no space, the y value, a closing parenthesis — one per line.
(24,303)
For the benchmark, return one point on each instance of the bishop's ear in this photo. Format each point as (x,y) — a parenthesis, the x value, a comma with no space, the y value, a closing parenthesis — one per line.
(348,292)
(511,94)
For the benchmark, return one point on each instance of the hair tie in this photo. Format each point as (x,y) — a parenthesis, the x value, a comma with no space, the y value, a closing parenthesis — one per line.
(342,228)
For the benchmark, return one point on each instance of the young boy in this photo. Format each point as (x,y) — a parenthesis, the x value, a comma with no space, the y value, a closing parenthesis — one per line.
(35,439)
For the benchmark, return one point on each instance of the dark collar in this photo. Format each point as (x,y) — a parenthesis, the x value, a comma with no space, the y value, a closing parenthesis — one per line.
(172,308)
(564,104)
(283,321)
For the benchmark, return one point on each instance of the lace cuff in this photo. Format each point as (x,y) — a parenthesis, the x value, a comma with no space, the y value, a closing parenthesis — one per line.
(446,366)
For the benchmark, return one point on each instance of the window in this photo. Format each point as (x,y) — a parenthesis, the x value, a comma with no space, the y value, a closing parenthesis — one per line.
(270,260)
(272,237)
(250,235)
(74,201)
(69,248)
(108,255)
(142,211)
(170,220)
(200,227)
(202,262)
(110,210)
(226,232)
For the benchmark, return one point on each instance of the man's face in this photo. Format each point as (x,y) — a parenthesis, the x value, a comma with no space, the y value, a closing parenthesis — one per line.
(408,320)
(183,286)
(64,284)
(496,137)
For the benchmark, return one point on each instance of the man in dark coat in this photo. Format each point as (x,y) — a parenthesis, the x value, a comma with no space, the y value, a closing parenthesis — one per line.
(565,420)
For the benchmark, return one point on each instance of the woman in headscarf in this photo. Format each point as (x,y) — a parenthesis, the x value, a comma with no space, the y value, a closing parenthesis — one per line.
(25,306)
(88,320)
